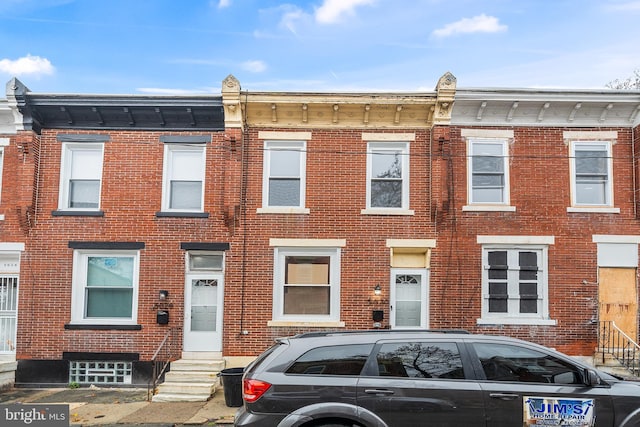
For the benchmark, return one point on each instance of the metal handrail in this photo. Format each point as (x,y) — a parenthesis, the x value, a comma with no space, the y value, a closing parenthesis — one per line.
(161,361)
(612,340)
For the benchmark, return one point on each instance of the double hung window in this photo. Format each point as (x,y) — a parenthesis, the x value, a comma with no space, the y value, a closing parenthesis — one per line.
(514,284)
(81,176)
(591,178)
(307,284)
(3,143)
(284,174)
(184,167)
(388,175)
(105,287)
(488,171)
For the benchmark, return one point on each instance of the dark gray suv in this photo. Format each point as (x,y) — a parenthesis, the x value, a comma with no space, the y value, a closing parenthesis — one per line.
(428,378)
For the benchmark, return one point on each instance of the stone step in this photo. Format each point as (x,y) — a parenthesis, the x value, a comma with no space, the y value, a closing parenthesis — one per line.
(197,365)
(7,374)
(187,388)
(191,376)
(189,380)
(179,397)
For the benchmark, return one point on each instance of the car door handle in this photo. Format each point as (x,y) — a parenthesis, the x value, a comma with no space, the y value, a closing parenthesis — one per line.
(379,391)
(504,396)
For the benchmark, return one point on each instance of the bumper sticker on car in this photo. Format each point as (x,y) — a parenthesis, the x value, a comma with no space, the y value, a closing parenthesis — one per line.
(551,411)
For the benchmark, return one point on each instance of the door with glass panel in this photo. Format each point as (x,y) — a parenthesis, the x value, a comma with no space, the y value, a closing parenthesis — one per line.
(8,312)
(203,312)
(409,296)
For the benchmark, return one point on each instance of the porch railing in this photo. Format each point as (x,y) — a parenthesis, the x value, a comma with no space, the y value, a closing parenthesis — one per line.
(164,354)
(612,340)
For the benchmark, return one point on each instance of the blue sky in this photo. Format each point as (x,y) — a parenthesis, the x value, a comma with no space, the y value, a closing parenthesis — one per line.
(190,46)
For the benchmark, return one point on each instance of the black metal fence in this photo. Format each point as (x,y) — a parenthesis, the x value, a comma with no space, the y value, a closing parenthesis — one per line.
(163,356)
(612,340)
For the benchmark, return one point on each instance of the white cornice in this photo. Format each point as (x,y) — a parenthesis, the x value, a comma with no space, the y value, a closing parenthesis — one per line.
(10,118)
(533,107)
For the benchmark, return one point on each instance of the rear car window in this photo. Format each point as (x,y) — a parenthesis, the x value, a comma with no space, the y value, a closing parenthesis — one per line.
(420,360)
(332,360)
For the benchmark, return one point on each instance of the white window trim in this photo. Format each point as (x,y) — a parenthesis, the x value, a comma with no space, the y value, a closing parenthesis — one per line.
(608,206)
(504,206)
(298,145)
(65,174)
(166,187)
(513,243)
(279,255)
(3,143)
(79,284)
(382,144)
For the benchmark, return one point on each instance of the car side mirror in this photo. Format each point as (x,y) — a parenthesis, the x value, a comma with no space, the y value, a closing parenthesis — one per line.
(591,378)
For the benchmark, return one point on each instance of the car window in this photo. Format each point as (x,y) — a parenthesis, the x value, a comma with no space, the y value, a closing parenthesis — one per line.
(332,360)
(504,362)
(420,360)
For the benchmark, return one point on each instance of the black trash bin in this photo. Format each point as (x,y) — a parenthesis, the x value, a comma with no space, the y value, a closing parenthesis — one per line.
(231,379)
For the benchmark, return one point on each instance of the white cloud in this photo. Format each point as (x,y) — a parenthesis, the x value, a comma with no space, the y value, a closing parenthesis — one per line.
(291,17)
(224,3)
(624,6)
(254,66)
(477,24)
(332,11)
(32,65)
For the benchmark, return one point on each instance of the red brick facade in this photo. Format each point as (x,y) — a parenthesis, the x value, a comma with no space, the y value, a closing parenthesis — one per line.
(437,217)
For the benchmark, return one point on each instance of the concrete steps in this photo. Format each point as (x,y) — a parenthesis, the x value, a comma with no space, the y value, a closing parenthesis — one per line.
(190,380)
(7,373)
(611,365)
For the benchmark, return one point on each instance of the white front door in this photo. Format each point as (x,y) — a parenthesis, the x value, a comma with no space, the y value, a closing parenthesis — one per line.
(203,312)
(8,312)
(409,294)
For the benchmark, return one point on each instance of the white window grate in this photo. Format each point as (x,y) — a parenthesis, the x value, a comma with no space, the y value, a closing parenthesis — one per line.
(100,372)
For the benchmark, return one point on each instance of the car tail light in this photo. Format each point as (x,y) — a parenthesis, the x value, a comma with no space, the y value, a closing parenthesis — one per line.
(252,390)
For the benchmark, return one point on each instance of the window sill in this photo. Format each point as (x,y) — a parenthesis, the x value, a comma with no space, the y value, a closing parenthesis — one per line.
(283,210)
(593,209)
(182,214)
(488,208)
(516,321)
(312,324)
(77,213)
(387,211)
(87,327)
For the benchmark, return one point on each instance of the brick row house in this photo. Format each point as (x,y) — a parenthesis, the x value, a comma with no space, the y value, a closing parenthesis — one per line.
(145,228)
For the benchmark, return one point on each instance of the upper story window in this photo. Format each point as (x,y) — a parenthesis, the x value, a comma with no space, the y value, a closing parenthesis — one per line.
(183,185)
(284,174)
(514,281)
(591,170)
(488,171)
(3,143)
(488,187)
(105,287)
(591,178)
(81,176)
(387,177)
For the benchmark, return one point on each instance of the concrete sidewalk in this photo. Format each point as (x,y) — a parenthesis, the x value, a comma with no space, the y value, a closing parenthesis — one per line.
(97,406)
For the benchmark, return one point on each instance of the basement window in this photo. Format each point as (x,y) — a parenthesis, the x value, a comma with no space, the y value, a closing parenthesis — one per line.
(100,372)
